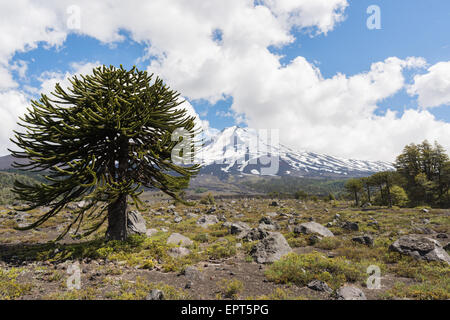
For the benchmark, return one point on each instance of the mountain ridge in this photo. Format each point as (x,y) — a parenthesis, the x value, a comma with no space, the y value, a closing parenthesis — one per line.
(232,145)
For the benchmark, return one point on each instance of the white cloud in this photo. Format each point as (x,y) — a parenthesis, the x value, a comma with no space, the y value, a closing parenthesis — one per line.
(25,23)
(322,14)
(331,115)
(6,79)
(433,88)
(50,79)
(12,105)
(335,115)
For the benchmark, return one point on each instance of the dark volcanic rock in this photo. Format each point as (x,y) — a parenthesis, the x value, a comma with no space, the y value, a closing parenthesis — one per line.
(155,295)
(366,239)
(321,286)
(420,247)
(255,234)
(352,226)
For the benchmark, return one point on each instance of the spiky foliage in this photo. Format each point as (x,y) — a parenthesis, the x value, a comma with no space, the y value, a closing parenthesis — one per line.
(104,138)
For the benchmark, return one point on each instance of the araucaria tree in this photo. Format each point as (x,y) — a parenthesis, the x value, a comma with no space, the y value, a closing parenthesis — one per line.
(100,142)
(354,186)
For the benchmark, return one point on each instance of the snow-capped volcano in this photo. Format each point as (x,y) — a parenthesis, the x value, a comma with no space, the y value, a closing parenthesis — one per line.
(237,150)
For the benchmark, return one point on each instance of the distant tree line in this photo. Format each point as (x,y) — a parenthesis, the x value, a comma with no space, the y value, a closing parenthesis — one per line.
(422,177)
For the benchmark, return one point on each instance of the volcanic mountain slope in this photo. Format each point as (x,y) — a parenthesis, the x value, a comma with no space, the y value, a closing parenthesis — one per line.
(242,151)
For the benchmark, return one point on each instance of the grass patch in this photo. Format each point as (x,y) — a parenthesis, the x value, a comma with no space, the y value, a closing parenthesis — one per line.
(231,289)
(10,288)
(301,269)
(139,290)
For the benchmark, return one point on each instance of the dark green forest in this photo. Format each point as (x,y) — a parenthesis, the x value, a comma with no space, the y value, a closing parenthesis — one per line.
(422,178)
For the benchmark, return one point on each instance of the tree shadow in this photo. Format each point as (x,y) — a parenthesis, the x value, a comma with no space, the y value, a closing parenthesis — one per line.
(53,252)
(18,254)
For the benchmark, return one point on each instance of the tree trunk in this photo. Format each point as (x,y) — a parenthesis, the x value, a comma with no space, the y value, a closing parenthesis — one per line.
(117,220)
(117,211)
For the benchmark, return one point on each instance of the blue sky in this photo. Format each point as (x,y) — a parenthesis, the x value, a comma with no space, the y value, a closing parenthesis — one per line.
(408,29)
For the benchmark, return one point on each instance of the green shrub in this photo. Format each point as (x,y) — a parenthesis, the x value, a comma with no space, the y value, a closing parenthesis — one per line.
(10,288)
(220,251)
(301,269)
(208,199)
(231,288)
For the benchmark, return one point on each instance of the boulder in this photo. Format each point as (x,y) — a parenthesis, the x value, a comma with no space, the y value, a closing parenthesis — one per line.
(192,273)
(136,223)
(268,224)
(206,221)
(268,227)
(350,293)
(318,285)
(255,234)
(265,220)
(366,240)
(420,247)
(313,228)
(178,252)
(237,228)
(155,295)
(270,249)
(352,226)
(179,239)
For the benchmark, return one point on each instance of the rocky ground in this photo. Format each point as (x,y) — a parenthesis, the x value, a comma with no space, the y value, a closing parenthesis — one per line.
(235,249)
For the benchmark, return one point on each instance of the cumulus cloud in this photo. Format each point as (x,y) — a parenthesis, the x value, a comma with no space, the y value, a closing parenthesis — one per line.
(12,105)
(322,14)
(50,79)
(433,87)
(334,115)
